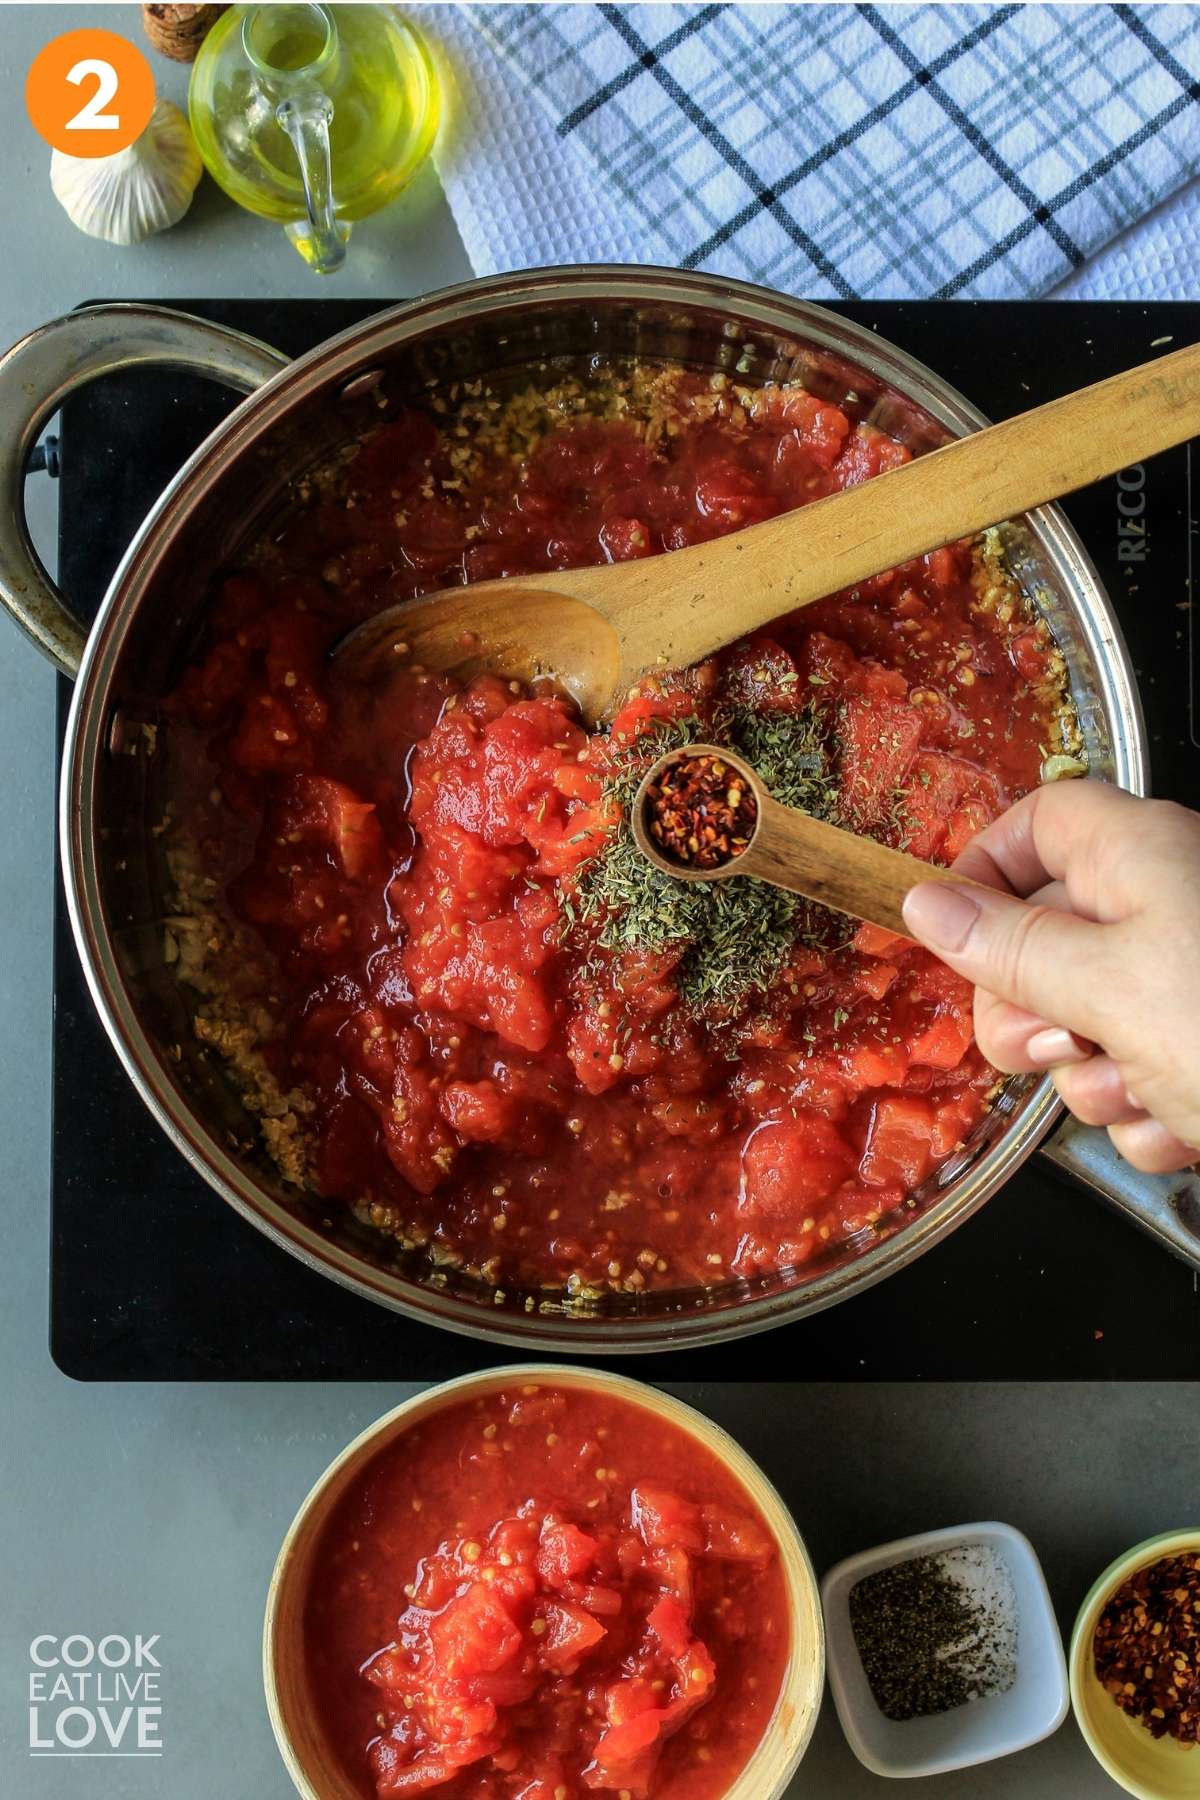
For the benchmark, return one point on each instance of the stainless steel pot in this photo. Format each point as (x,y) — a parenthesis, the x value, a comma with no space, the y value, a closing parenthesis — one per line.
(235,486)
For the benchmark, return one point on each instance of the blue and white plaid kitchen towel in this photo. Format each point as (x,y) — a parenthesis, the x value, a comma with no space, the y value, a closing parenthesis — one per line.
(869,150)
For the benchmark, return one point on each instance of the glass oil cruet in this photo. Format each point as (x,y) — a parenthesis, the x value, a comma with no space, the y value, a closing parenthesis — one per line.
(313,115)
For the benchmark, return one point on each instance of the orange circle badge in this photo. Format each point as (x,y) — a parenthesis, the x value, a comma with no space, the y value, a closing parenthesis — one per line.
(90,93)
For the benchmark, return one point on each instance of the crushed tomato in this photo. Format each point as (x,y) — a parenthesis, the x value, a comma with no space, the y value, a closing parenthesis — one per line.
(546,1591)
(404,852)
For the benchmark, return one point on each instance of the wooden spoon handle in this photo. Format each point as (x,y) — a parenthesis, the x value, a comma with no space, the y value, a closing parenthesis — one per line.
(701,598)
(836,867)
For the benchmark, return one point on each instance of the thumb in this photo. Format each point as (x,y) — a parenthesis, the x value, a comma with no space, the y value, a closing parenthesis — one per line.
(1037,957)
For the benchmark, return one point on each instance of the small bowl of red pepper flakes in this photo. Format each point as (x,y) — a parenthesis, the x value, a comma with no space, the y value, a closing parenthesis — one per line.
(1135,1668)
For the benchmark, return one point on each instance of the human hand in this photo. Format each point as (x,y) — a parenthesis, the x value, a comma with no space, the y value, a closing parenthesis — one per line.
(1087,957)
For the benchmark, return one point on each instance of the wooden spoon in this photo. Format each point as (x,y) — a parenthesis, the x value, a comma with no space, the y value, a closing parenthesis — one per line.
(596,630)
(793,850)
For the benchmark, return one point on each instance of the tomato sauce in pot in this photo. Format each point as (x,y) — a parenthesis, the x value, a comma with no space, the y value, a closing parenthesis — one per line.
(541,1595)
(456,1002)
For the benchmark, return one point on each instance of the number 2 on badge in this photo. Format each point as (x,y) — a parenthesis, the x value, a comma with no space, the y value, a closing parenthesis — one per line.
(92,116)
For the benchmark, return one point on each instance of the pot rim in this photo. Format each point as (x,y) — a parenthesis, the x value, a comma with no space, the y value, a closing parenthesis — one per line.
(335,360)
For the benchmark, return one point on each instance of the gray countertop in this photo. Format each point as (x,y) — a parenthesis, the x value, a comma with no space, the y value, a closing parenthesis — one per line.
(158,1509)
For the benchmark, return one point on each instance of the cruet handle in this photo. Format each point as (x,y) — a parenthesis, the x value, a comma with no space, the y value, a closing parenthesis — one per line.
(321,238)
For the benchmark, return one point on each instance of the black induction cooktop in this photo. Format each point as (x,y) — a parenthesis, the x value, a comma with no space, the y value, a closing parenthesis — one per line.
(154,1277)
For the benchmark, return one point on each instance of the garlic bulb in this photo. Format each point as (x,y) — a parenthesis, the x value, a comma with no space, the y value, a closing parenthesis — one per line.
(141,190)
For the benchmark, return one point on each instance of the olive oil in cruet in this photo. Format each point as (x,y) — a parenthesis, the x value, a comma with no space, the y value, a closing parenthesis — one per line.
(314,115)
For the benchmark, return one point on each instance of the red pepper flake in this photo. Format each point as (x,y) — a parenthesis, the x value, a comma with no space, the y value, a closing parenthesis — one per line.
(700,811)
(1147,1648)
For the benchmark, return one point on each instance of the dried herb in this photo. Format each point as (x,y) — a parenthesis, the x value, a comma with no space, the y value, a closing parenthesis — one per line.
(792,752)
(733,936)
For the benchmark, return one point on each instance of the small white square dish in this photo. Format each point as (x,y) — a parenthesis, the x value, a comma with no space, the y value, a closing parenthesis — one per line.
(1030,1708)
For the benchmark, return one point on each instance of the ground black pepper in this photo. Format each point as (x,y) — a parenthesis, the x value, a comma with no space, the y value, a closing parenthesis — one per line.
(932,1635)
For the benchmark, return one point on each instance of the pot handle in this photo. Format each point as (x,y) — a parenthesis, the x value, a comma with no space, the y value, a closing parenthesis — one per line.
(1167,1206)
(37,375)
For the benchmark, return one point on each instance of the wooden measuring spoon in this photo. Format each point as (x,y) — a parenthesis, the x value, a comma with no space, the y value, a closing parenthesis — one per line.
(596,630)
(793,850)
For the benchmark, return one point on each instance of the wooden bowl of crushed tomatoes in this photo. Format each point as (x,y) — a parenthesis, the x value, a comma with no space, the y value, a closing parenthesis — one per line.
(543,1582)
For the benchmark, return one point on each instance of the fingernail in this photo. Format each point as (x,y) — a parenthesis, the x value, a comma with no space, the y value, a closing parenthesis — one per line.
(1052,1045)
(940,915)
